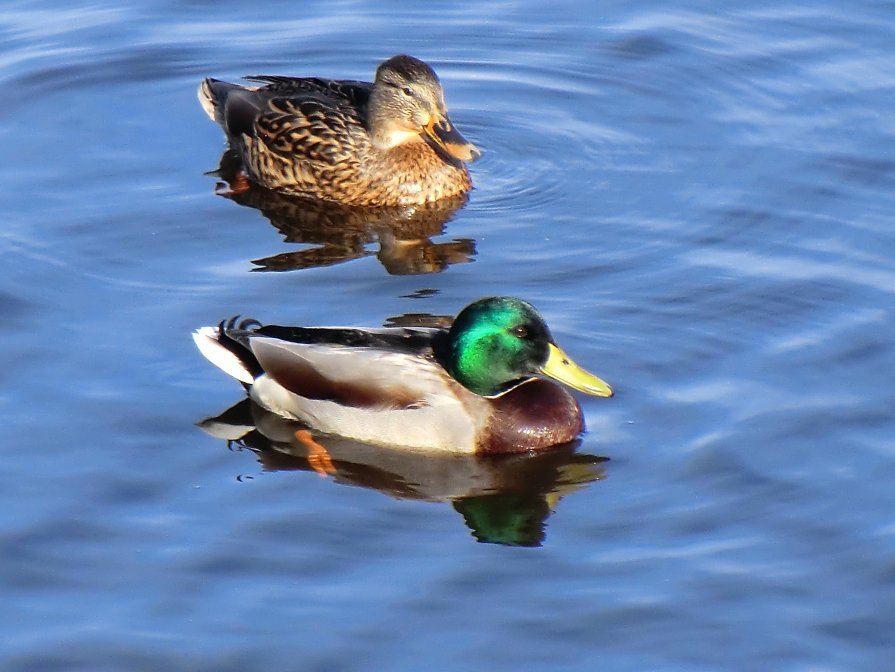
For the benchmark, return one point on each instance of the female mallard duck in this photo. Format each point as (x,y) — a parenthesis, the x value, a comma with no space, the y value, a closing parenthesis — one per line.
(469,389)
(381,144)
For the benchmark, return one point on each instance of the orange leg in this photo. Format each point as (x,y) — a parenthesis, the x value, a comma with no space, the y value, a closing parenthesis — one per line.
(318,457)
(240,183)
(235,185)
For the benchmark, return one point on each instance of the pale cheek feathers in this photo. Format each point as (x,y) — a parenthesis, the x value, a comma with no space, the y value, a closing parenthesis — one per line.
(396,136)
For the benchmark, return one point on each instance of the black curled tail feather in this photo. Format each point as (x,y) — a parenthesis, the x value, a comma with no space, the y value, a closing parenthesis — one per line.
(234,324)
(234,334)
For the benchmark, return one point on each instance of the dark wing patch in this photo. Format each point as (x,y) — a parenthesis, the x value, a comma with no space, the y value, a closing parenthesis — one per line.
(299,376)
(351,92)
(409,341)
(241,108)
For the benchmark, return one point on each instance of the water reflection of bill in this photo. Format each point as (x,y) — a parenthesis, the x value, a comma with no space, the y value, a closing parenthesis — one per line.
(339,233)
(504,500)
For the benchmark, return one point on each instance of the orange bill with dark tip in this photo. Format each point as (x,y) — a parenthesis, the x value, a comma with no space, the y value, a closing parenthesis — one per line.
(443,133)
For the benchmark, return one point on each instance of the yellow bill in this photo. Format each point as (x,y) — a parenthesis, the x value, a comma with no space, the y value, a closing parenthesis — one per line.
(560,367)
(442,133)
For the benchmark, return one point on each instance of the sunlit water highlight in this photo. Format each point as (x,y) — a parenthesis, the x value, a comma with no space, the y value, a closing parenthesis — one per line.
(697,198)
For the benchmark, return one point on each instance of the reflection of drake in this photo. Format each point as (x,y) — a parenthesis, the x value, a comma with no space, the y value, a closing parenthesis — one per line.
(382,144)
(474,388)
(341,233)
(504,500)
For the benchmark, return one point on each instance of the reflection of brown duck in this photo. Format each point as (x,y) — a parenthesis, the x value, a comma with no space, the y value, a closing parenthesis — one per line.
(341,233)
(503,500)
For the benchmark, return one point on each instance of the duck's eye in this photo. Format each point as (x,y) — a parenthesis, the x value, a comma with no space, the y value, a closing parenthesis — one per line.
(407,91)
(520,331)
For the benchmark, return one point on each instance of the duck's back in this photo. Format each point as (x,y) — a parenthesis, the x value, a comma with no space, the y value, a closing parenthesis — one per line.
(337,92)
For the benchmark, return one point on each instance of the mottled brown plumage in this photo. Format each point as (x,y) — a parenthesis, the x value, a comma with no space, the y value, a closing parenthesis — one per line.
(382,144)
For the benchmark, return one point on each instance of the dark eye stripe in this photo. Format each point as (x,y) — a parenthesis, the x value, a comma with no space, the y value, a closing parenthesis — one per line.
(406,90)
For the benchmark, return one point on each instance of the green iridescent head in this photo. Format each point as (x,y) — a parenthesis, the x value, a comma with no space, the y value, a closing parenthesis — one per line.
(499,341)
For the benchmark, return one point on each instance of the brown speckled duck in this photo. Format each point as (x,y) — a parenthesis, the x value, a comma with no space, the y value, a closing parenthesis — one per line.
(382,144)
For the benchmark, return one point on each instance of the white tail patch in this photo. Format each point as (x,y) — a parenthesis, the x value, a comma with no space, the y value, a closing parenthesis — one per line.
(206,99)
(206,339)
(224,430)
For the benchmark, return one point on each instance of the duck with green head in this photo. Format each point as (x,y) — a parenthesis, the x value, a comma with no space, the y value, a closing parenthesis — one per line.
(385,143)
(478,387)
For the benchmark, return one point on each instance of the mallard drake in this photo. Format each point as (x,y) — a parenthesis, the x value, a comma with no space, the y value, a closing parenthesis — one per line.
(381,144)
(472,388)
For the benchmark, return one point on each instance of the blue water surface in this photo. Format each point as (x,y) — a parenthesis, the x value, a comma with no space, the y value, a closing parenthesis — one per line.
(699,198)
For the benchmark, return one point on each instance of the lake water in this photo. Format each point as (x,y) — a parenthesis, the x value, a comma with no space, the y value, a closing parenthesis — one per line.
(699,198)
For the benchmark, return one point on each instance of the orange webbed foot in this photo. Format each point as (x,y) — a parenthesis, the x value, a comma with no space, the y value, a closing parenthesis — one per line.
(318,457)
